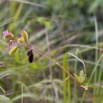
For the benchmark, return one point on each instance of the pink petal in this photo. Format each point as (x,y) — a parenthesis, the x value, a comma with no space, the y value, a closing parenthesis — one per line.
(5,32)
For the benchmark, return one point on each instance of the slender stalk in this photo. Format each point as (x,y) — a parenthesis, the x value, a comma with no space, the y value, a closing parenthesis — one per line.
(71,76)
(35,50)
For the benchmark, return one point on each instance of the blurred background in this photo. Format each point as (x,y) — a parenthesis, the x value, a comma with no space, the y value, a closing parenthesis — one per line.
(55,27)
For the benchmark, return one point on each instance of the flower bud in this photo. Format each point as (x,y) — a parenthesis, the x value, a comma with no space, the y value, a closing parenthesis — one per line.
(24,35)
(8,35)
(21,40)
(14,50)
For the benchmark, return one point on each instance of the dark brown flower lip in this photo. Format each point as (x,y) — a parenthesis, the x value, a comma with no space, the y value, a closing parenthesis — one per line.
(30,58)
(30,51)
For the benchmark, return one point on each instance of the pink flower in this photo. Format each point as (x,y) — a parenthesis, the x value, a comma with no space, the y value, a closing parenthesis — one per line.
(5,32)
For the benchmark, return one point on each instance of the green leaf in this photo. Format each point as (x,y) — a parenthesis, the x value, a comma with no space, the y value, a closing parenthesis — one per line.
(81,78)
(95,86)
(85,86)
(44,22)
(66,83)
(82,75)
(77,58)
(78,78)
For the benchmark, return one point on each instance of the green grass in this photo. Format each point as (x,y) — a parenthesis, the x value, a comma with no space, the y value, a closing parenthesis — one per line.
(55,29)
(66,83)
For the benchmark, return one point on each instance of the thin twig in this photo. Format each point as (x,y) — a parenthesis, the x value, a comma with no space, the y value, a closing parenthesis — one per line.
(37,51)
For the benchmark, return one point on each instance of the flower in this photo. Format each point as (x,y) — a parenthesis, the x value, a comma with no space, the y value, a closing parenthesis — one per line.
(5,32)
(8,35)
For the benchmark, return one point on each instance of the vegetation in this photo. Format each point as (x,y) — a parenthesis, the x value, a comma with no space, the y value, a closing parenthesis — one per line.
(51,51)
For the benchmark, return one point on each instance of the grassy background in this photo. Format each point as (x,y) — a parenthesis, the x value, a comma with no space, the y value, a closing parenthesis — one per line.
(56,27)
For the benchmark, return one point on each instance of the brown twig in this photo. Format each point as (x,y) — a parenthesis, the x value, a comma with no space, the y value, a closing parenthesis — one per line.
(37,51)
